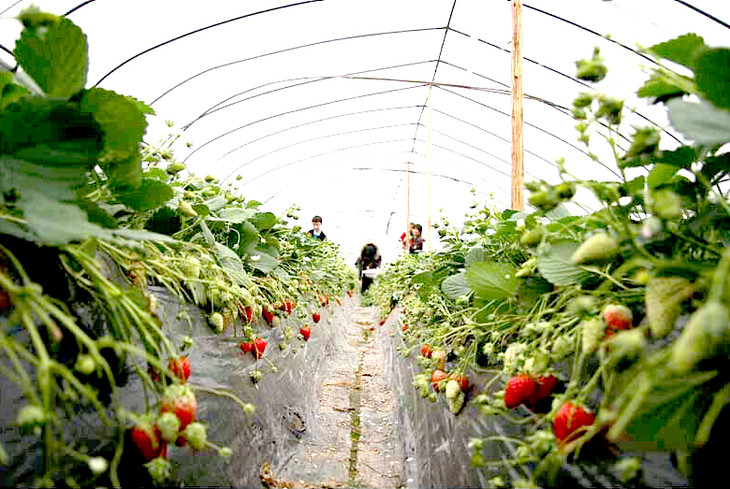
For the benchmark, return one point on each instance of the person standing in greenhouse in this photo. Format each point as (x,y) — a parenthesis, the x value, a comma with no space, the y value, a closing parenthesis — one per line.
(367,264)
(316,231)
(414,243)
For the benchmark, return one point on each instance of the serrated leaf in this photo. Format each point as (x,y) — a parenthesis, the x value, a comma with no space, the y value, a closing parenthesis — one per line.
(455,286)
(264,220)
(151,194)
(712,76)
(230,262)
(120,119)
(701,122)
(55,182)
(492,280)
(57,223)
(554,261)
(250,237)
(660,88)
(234,214)
(681,50)
(682,157)
(475,255)
(55,57)
(661,174)
(265,262)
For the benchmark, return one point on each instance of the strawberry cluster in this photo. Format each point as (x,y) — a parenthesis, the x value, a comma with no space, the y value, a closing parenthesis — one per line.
(528,390)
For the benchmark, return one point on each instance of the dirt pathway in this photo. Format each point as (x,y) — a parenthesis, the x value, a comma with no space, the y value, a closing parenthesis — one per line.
(354,434)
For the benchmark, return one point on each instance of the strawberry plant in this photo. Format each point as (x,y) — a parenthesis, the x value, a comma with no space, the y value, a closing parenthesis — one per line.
(619,315)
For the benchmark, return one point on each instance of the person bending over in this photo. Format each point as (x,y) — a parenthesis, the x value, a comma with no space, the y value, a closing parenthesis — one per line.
(369,259)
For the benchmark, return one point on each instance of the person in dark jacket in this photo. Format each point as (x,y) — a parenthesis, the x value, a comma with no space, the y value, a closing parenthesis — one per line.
(369,259)
(316,231)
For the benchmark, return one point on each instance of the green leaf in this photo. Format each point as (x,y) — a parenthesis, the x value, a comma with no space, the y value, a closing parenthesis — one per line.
(230,262)
(661,174)
(681,50)
(125,173)
(57,223)
(712,75)
(264,220)
(529,291)
(455,286)
(55,57)
(658,86)
(554,261)
(216,203)
(157,173)
(492,280)
(475,255)
(149,195)
(141,235)
(558,213)
(701,122)
(250,237)
(682,157)
(120,119)
(234,215)
(266,263)
(55,182)
(207,235)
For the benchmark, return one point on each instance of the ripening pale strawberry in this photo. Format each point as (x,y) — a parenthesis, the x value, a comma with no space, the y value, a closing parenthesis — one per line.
(569,419)
(706,332)
(186,209)
(436,377)
(180,367)
(216,320)
(462,380)
(664,298)
(592,332)
(180,400)
(426,350)
(598,248)
(197,435)
(618,317)
(520,389)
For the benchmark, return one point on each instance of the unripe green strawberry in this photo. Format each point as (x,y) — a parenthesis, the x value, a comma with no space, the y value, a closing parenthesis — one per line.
(592,332)
(452,389)
(664,297)
(186,209)
(196,434)
(626,345)
(561,348)
(582,306)
(159,469)
(433,397)
(238,177)
(598,248)
(706,332)
(543,200)
(531,237)
(191,267)
(175,167)
(667,204)
(85,364)
(583,100)
(216,320)
(456,402)
(169,426)
(565,190)
(31,418)
(593,69)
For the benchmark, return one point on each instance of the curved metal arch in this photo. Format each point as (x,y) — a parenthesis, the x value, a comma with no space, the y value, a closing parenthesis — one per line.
(294,48)
(293,111)
(308,80)
(211,26)
(702,12)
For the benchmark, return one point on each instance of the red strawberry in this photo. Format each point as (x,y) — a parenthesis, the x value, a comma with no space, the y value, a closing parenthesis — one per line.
(519,389)
(267,314)
(426,350)
(382,321)
(463,381)
(617,317)
(543,389)
(146,436)
(4,301)
(405,328)
(259,345)
(437,376)
(181,368)
(306,331)
(569,419)
(247,313)
(246,346)
(316,317)
(180,400)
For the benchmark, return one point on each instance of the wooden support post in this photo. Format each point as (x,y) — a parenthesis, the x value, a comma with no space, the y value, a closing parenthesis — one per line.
(518,171)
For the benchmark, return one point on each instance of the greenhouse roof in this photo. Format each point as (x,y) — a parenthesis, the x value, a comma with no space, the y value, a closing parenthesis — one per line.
(374,113)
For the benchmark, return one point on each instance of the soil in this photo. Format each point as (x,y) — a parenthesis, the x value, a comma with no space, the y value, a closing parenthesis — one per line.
(358,442)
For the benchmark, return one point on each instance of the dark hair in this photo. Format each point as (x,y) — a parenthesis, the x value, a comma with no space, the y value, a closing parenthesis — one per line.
(317,219)
(418,226)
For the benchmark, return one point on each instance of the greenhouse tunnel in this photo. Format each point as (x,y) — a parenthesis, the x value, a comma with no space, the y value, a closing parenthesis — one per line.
(168,319)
